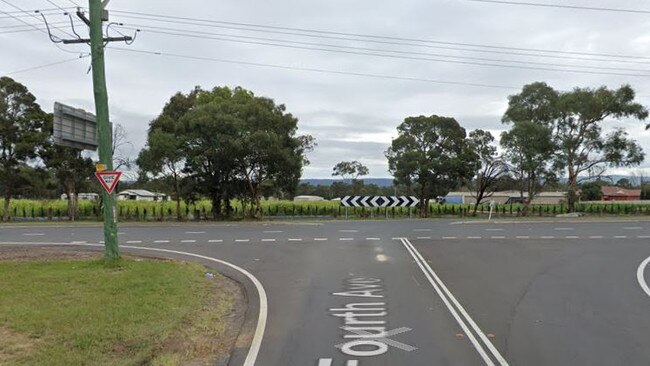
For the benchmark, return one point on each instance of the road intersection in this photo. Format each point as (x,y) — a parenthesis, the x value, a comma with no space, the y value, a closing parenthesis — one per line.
(419,292)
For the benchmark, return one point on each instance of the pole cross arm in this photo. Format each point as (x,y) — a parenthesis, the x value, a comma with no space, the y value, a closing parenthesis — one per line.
(107,39)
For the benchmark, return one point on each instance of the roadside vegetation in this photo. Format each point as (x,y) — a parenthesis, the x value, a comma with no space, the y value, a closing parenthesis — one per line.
(219,152)
(76,312)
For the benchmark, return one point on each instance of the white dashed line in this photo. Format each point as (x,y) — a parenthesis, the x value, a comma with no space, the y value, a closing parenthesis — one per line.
(595,237)
(473,237)
(498,237)
(421,229)
(195,232)
(346,239)
(424,237)
(348,231)
(522,237)
(242,240)
(547,237)
(633,228)
(643,236)
(563,228)
(33,234)
(161,241)
(272,231)
(133,241)
(188,241)
(215,241)
(101,242)
(295,239)
(320,239)
(620,236)
(268,240)
(493,229)
(373,239)
(571,237)
(448,237)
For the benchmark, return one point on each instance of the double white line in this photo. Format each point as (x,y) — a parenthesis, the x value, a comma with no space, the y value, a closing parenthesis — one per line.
(457,311)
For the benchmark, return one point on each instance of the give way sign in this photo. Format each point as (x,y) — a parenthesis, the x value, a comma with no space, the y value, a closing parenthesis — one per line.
(108,180)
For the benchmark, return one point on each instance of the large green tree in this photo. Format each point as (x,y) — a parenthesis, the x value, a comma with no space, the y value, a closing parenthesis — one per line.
(237,143)
(22,131)
(582,149)
(163,157)
(431,153)
(528,148)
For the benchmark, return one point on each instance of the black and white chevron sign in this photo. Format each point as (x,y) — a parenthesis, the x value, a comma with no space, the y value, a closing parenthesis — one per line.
(379,201)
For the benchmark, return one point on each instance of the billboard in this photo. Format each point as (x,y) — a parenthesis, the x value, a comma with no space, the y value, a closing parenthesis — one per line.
(75,127)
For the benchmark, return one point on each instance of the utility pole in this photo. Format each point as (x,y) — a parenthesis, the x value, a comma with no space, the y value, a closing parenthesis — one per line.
(104,133)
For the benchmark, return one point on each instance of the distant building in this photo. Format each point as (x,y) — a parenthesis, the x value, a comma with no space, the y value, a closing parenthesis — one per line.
(611,193)
(83,196)
(506,197)
(141,195)
(308,198)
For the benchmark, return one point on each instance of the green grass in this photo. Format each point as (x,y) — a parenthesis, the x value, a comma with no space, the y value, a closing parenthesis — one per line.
(84,313)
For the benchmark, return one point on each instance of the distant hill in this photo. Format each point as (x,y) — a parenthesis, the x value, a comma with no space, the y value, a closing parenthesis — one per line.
(381,182)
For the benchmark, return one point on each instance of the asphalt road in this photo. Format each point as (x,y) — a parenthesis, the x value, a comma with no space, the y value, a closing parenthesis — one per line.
(416,292)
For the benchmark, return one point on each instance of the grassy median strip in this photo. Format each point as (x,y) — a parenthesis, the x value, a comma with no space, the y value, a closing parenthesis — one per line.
(80,312)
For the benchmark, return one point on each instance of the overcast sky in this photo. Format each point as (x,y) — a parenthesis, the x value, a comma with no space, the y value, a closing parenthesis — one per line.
(352,117)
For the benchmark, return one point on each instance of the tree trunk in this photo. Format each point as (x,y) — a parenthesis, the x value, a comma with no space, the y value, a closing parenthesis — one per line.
(216,207)
(424,202)
(6,215)
(177,192)
(571,192)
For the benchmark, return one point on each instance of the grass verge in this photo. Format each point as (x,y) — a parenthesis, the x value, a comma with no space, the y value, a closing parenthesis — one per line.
(80,312)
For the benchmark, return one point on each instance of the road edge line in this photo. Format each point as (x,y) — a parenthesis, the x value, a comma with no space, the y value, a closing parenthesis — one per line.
(502,361)
(640,276)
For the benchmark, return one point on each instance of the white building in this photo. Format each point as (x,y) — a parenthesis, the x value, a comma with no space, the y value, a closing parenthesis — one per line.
(141,195)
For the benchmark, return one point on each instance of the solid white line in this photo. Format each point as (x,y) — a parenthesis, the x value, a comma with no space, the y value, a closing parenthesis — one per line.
(242,240)
(256,343)
(373,239)
(195,232)
(346,239)
(78,242)
(133,241)
(620,237)
(448,237)
(424,237)
(295,239)
(640,278)
(320,239)
(522,237)
(215,241)
(446,297)
(33,234)
(161,241)
(595,237)
(188,241)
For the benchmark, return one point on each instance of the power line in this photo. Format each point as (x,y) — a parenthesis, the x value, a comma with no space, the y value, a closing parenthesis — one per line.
(403,55)
(268,28)
(313,70)
(35,10)
(32,15)
(44,66)
(371,51)
(574,7)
